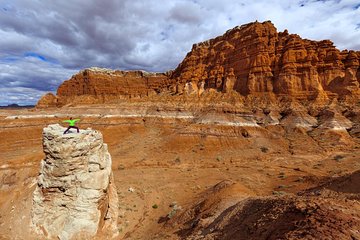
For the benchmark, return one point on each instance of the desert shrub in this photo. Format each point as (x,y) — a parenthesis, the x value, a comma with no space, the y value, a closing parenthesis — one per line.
(264,149)
(278,193)
(338,158)
(282,175)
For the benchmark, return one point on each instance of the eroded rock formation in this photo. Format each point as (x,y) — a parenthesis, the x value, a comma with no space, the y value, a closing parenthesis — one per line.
(99,85)
(225,211)
(260,60)
(75,196)
(252,60)
(48,100)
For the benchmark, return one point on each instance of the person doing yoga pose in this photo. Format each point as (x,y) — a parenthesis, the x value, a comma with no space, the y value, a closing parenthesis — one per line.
(72,123)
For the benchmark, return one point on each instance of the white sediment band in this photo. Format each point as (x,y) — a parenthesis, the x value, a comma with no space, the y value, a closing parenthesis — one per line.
(180,116)
(230,123)
(131,115)
(304,125)
(122,115)
(170,116)
(4,166)
(149,115)
(30,116)
(336,125)
(338,129)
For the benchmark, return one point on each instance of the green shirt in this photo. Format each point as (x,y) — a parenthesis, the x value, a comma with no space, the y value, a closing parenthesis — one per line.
(71,122)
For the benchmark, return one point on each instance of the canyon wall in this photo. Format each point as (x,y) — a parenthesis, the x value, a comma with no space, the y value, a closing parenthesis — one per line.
(255,58)
(99,85)
(250,60)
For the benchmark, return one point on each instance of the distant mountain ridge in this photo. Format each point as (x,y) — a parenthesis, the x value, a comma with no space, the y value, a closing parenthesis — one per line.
(14,105)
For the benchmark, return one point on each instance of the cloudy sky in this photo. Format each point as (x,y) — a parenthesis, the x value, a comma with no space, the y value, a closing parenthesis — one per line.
(44,42)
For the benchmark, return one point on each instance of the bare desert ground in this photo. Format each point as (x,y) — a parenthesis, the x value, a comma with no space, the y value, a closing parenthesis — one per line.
(176,175)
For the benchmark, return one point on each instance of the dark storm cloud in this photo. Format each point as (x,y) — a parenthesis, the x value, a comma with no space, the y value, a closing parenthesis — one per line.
(31,71)
(42,43)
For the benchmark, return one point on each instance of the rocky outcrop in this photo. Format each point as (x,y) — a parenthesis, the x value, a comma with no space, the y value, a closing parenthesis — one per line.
(263,60)
(99,85)
(48,100)
(75,196)
(252,60)
(230,211)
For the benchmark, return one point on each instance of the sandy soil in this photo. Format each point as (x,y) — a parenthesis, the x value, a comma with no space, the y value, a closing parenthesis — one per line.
(166,160)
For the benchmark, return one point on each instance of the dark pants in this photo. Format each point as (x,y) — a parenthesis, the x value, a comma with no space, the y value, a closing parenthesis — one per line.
(71,127)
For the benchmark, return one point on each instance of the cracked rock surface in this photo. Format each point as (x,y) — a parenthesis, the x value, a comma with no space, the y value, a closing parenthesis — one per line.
(75,195)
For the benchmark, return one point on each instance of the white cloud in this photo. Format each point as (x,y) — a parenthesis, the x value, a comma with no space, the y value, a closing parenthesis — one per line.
(20,95)
(151,35)
(24,79)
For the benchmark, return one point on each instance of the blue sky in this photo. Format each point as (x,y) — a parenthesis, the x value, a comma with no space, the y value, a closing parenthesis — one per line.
(43,43)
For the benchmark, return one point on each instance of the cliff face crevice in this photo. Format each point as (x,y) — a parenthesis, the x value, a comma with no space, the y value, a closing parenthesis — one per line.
(75,191)
(252,60)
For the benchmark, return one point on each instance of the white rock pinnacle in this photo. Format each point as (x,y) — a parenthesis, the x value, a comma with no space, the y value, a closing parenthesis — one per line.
(76,196)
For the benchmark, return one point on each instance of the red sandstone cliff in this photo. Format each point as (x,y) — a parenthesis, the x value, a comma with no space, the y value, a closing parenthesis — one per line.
(96,81)
(99,85)
(253,59)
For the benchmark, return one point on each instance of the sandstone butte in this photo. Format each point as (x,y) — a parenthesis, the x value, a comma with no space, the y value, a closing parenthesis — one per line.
(252,60)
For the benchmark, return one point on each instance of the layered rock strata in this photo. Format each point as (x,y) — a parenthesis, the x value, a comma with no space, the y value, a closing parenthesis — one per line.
(99,85)
(228,211)
(75,196)
(252,60)
(255,58)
